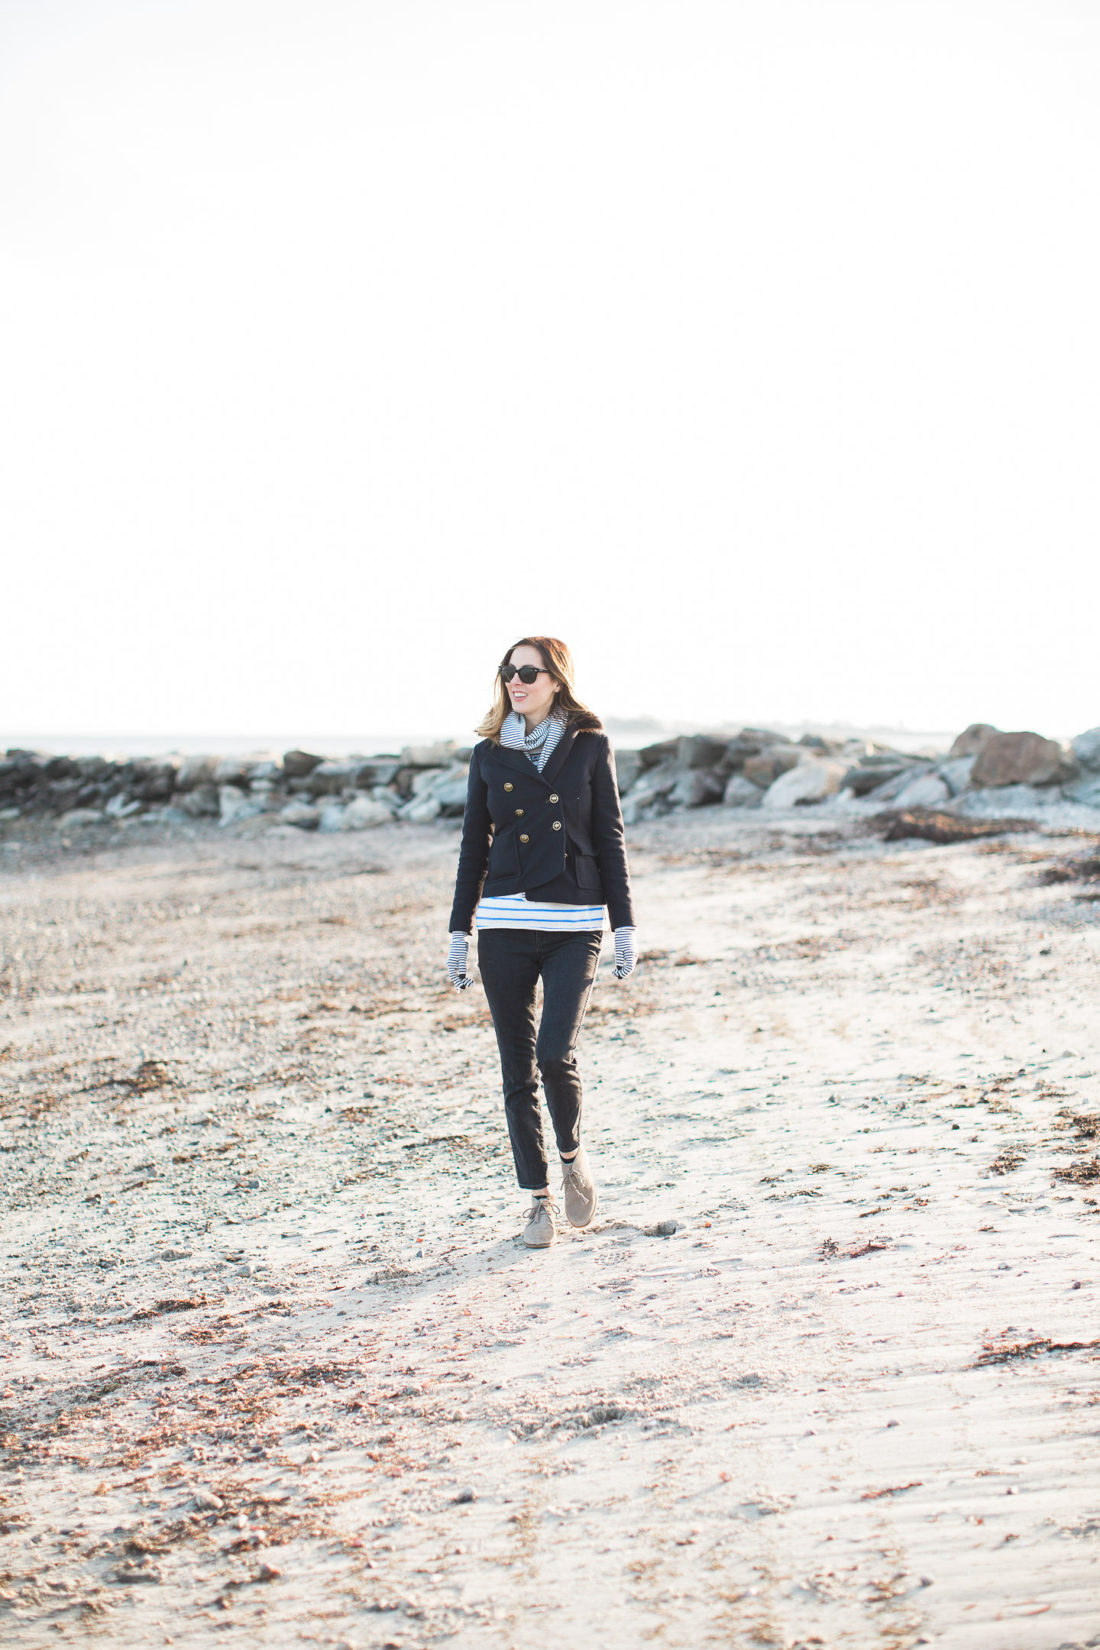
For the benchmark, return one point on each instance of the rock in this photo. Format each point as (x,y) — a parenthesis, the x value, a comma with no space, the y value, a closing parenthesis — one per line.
(449,788)
(332,817)
(1084,790)
(330,778)
(77,817)
(663,1228)
(1086,748)
(750,742)
(699,750)
(628,765)
(421,810)
(868,776)
(973,740)
(809,782)
(268,1572)
(199,803)
(428,756)
(207,1501)
(424,780)
(773,761)
(122,806)
(379,770)
(695,788)
(364,814)
(654,756)
(389,799)
(1005,799)
(927,790)
(891,788)
(234,804)
(298,764)
(464,1497)
(195,771)
(233,770)
(741,793)
(654,784)
(8,814)
(302,814)
(956,773)
(1017,759)
(153,781)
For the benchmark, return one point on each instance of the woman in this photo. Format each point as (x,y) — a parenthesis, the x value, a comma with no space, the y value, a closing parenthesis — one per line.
(542,854)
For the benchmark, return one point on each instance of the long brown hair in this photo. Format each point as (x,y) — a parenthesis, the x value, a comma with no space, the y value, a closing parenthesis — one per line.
(557,659)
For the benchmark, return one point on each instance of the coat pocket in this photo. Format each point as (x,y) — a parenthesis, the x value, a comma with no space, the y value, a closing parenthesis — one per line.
(504,855)
(586,870)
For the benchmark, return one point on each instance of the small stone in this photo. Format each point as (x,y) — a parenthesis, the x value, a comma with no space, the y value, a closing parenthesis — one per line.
(463,1497)
(207,1501)
(663,1228)
(175,1254)
(268,1572)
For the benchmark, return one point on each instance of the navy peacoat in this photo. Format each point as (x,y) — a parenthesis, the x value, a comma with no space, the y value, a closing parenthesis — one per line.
(555,835)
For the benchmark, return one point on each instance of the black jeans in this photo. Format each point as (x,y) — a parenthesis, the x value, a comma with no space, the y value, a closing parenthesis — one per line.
(511,961)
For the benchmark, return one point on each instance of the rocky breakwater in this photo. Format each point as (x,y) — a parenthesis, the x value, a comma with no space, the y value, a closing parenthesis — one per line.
(299,788)
(986,771)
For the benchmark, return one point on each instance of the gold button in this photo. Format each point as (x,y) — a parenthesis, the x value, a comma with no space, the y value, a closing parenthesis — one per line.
(508,786)
(519,813)
(556,825)
(525,839)
(554,796)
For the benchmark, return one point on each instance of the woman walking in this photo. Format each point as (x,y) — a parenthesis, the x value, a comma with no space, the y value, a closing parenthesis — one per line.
(542,855)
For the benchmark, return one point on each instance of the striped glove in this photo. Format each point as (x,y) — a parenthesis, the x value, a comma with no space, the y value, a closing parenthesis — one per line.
(626,954)
(457,961)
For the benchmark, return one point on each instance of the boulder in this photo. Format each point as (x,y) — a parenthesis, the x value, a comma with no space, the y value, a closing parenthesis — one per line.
(306,818)
(628,765)
(867,776)
(893,787)
(773,761)
(332,777)
(956,773)
(450,790)
(421,810)
(1005,800)
(809,782)
(235,770)
(742,793)
(299,764)
(196,770)
(1085,789)
(1086,748)
(655,756)
(1017,759)
(234,804)
(332,816)
(200,803)
(77,817)
(363,814)
(428,756)
(699,750)
(122,806)
(695,788)
(973,740)
(378,770)
(750,742)
(153,781)
(654,783)
(927,790)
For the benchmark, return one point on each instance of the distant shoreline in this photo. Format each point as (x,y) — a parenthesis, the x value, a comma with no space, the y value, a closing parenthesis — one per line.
(627,733)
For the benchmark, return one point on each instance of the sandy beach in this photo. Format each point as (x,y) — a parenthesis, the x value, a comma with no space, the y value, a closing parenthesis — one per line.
(278,1371)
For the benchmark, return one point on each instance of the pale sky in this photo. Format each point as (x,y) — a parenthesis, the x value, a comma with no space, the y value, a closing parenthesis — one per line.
(751,347)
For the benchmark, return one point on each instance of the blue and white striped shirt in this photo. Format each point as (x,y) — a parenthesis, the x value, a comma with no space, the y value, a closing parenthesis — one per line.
(516,910)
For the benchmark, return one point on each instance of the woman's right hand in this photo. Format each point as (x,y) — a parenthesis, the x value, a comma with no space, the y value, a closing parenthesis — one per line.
(457,958)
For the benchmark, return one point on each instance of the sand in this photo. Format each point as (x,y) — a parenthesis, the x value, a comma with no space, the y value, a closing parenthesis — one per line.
(278,1371)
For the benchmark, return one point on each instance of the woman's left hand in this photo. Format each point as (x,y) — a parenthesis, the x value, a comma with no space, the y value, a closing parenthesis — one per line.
(626,953)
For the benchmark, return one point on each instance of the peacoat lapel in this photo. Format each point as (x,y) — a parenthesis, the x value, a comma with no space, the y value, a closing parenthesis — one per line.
(520,762)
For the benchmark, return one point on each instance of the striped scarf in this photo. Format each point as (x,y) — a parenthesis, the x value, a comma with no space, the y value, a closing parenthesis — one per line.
(540,743)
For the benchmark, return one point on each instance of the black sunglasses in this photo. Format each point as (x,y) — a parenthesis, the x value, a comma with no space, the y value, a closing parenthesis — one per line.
(526,673)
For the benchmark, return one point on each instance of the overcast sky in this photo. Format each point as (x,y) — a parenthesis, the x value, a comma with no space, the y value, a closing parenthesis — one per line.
(751,347)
